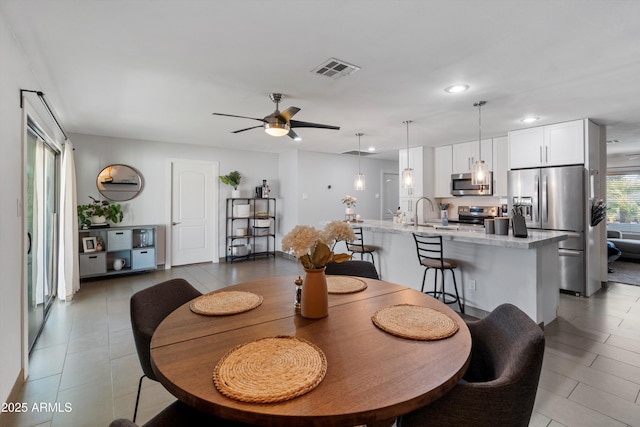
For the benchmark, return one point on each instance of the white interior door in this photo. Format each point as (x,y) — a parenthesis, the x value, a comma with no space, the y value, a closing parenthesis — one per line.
(194,212)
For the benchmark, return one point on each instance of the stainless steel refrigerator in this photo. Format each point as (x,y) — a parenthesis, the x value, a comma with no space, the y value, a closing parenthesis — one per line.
(554,199)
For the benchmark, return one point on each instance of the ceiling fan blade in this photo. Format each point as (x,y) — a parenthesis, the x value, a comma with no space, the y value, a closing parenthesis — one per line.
(242,130)
(298,124)
(294,135)
(240,117)
(289,112)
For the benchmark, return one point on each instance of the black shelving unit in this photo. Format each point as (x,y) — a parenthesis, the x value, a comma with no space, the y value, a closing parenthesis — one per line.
(259,224)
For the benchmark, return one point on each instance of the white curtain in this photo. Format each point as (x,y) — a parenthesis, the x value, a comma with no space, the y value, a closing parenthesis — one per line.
(68,272)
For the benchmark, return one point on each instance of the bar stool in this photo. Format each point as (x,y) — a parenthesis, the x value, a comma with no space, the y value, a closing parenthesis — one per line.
(430,255)
(358,246)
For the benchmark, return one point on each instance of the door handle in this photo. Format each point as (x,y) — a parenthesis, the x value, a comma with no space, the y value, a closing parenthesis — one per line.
(545,195)
(569,253)
(175,223)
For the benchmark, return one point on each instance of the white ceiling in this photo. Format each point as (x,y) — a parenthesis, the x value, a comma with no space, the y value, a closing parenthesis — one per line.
(157,69)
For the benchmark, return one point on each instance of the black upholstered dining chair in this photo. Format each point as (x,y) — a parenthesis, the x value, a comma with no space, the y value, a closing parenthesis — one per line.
(179,414)
(148,308)
(500,385)
(353,268)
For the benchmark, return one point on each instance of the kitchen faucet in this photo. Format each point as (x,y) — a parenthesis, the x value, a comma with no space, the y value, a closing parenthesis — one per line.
(415,218)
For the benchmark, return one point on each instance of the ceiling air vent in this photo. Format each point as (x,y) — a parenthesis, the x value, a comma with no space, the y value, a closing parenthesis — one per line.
(355,153)
(335,68)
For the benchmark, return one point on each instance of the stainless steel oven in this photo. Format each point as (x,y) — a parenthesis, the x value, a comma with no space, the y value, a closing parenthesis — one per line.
(477,214)
(461,186)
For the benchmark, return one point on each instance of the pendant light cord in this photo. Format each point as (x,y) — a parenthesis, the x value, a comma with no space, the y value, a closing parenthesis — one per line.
(407,123)
(479,104)
(359,134)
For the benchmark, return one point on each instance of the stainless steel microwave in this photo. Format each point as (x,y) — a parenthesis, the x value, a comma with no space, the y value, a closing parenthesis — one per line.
(461,186)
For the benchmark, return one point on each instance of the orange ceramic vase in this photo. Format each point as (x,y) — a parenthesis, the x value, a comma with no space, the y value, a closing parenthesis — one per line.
(315,296)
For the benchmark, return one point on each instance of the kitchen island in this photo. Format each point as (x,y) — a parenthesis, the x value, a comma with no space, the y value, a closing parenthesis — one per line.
(493,269)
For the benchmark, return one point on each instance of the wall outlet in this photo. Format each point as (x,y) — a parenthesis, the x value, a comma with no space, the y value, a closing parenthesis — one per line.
(472,285)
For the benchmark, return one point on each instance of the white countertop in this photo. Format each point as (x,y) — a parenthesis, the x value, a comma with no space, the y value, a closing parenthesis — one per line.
(467,234)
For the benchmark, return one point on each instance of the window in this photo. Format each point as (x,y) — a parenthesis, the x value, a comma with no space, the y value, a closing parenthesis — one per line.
(623,202)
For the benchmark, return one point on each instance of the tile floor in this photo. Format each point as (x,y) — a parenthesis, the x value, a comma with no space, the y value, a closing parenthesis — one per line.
(86,356)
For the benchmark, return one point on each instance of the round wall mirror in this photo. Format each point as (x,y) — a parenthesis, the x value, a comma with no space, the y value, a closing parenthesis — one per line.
(119,182)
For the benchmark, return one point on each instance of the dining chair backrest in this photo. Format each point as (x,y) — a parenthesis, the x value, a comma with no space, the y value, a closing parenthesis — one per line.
(353,268)
(429,247)
(179,414)
(358,243)
(149,307)
(499,387)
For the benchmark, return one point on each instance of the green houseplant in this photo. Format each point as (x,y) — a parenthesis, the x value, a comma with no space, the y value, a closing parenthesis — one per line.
(91,213)
(233,179)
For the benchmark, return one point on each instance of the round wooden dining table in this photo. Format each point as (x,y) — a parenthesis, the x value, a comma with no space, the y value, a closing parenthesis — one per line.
(371,378)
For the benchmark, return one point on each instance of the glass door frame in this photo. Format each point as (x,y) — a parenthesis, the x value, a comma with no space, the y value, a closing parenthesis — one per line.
(35,316)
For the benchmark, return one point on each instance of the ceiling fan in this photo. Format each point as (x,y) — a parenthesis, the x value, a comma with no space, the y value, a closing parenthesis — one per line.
(280,123)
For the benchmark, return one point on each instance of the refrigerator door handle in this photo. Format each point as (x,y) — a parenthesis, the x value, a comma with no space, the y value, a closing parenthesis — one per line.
(544,201)
(569,252)
(535,207)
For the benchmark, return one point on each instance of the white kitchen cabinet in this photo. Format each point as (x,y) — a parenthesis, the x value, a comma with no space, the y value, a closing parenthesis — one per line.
(466,154)
(552,145)
(564,143)
(443,169)
(500,165)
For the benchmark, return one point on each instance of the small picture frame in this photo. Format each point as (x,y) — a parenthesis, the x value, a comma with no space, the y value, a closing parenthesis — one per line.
(89,244)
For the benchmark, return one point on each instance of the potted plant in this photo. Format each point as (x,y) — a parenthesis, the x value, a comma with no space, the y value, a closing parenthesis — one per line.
(350,201)
(233,179)
(98,212)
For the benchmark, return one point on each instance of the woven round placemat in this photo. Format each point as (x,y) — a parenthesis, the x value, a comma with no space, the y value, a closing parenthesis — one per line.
(415,322)
(224,303)
(345,284)
(270,370)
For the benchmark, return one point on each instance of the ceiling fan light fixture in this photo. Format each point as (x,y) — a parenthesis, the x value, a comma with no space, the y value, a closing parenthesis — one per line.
(276,127)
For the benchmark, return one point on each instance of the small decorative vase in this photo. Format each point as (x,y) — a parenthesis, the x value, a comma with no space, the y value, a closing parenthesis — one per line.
(445,218)
(350,211)
(315,296)
(235,194)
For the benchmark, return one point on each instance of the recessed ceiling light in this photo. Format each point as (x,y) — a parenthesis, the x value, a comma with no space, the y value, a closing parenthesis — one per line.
(530,119)
(456,88)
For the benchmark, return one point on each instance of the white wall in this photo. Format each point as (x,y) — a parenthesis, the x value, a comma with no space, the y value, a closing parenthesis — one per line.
(150,158)
(12,75)
(324,179)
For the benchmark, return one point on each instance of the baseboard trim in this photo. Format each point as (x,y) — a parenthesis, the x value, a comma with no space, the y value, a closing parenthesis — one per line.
(13,396)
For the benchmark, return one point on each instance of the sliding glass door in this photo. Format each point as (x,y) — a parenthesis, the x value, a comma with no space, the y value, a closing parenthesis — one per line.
(42,231)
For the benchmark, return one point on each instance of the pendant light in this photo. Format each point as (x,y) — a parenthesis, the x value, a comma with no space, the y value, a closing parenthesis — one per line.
(407,173)
(358,182)
(479,172)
